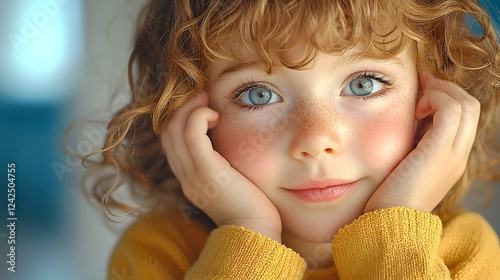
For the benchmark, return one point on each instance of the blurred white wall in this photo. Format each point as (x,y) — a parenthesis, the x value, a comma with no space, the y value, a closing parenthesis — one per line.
(109,31)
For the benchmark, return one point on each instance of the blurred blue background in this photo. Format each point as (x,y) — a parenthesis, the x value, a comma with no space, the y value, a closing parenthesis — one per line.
(61,59)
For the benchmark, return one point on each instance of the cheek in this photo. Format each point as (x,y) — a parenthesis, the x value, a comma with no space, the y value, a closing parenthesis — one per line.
(386,139)
(248,148)
(231,143)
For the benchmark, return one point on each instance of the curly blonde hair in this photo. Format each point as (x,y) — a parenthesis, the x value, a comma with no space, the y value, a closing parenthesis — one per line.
(177,40)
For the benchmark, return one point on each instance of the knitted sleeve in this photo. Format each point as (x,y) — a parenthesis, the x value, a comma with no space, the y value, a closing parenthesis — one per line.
(160,248)
(395,243)
(402,243)
(156,247)
(478,256)
(236,253)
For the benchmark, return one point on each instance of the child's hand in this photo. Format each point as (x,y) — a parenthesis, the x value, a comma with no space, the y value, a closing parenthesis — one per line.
(207,178)
(426,175)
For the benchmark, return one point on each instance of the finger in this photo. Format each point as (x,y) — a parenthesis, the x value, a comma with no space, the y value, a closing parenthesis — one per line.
(470,110)
(423,108)
(422,128)
(446,117)
(169,152)
(181,115)
(173,139)
(423,112)
(172,159)
(197,139)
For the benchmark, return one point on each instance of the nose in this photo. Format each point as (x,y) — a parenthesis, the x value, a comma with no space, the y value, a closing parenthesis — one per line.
(317,132)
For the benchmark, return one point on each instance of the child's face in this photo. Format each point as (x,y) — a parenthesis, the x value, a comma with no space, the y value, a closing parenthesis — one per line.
(312,126)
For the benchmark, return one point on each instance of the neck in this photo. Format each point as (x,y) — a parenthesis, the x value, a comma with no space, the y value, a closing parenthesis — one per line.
(317,254)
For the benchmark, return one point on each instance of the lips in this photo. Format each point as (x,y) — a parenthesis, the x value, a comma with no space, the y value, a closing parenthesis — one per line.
(321,191)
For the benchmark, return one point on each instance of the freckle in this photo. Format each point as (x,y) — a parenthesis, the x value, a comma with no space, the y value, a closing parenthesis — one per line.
(320,114)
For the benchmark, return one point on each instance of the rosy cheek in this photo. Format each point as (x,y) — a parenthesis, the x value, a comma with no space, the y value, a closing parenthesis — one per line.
(386,139)
(244,146)
(227,141)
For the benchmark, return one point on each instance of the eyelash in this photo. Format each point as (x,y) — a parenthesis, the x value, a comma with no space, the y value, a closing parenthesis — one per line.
(386,81)
(239,91)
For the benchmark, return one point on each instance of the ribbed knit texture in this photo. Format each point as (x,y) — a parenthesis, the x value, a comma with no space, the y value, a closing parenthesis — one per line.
(251,255)
(395,243)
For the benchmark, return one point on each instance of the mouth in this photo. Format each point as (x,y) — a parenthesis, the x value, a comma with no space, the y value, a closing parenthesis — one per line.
(322,191)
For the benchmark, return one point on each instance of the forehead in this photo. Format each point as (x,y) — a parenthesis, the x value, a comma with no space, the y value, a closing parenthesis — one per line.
(223,69)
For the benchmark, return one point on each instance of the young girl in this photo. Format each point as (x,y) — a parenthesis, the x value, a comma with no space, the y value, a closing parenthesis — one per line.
(307,139)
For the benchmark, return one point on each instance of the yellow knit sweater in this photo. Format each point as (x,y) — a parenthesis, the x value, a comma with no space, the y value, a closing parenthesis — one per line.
(395,243)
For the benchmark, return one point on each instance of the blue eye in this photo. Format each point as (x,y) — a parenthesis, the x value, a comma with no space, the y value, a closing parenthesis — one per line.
(365,85)
(257,95)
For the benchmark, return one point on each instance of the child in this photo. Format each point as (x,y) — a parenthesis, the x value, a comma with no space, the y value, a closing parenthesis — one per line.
(307,139)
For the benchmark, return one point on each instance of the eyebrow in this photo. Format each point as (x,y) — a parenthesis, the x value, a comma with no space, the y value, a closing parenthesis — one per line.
(254,65)
(358,58)
(238,67)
